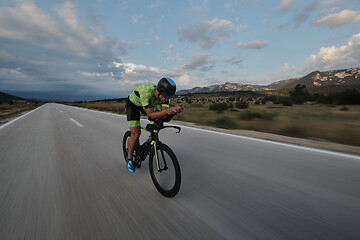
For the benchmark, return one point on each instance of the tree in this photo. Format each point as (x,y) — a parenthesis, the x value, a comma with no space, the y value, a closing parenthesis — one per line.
(300,94)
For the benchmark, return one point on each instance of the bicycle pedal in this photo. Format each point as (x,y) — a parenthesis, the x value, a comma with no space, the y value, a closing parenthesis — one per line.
(137,164)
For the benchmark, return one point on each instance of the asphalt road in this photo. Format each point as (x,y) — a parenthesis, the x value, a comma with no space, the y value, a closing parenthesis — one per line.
(62,176)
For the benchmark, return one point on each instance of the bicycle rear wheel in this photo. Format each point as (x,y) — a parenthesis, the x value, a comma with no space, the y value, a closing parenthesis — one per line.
(136,159)
(167,180)
(125,146)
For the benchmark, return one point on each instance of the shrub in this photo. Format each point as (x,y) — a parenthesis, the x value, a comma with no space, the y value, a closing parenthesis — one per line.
(344,108)
(242,105)
(349,96)
(294,131)
(198,105)
(286,101)
(219,107)
(250,115)
(121,110)
(224,122)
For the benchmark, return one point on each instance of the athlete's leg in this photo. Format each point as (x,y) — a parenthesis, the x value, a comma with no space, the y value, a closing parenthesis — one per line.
(133,141)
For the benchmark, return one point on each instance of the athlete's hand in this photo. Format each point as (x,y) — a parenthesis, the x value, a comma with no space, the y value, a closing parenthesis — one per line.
(174,110)
(179,109)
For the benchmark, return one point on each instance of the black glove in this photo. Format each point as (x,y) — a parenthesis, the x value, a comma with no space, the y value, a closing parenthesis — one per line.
(167,118)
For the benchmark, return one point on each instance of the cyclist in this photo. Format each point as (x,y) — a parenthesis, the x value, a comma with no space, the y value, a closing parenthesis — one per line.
(152,100)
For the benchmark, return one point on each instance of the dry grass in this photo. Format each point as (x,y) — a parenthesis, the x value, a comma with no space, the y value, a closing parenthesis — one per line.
(339,124)
(9,111)
(110,106)
(328,123)
(322,122)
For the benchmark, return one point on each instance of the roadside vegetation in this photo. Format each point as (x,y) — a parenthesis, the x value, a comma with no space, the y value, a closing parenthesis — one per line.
(340,124)
(114,106)
(10,111)
(324,116)
(333,117)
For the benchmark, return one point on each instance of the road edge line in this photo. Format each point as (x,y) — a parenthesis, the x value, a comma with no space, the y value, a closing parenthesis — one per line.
(21,116)
(356,157)
(279,143)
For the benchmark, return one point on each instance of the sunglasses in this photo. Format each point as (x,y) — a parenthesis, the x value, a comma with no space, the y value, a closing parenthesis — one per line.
(166,95)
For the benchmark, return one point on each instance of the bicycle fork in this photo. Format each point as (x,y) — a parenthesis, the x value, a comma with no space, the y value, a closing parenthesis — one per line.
(157,157)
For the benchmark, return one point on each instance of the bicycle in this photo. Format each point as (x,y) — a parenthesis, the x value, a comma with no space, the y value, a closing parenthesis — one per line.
(165,172)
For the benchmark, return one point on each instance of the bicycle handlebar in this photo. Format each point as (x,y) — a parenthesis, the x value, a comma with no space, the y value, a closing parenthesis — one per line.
(159,121)
(159,124)
(178,128)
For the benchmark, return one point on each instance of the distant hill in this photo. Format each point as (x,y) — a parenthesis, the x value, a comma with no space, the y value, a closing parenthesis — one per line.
(226,87)
(342,77)
(6,98)
(316,80)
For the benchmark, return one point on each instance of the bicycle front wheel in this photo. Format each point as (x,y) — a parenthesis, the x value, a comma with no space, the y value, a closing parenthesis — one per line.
(165,171)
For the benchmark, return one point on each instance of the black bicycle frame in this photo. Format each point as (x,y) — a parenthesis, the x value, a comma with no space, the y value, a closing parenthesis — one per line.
(155,143)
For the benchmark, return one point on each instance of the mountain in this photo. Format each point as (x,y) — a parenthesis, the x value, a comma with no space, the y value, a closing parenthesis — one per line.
(314,79)
(226,87)
(348,76)
(6,98)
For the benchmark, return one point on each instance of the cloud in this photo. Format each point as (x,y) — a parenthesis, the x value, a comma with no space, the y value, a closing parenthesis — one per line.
(155,4)
(199,6)
(31,25)
(28,23)
(287,68)
(175,57)
(304,14)
(235,61)
(337,57)
(285,5)
(238,3)
(209,33)
(47,52)
(136,18)
(256,44)
(281,27)
(198,62)
(165,51)
(339,19)
(135,74)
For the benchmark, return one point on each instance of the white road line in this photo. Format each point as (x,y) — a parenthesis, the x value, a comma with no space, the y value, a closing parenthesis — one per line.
(8,123)
(278,143)
(60,111)
(76,122)
(250,138)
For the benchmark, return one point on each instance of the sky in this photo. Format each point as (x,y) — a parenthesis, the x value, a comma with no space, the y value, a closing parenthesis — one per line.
(89,50)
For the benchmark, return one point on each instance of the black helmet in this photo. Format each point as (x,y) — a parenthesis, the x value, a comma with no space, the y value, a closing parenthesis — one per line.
(166,87)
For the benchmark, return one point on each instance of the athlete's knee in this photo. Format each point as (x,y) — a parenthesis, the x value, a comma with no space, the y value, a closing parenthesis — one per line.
(135,132)
(135,135)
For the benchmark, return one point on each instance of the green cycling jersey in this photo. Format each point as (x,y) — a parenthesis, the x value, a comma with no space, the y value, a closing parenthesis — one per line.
(143,96)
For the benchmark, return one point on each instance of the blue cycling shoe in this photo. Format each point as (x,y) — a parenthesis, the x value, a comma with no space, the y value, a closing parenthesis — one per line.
(130,165)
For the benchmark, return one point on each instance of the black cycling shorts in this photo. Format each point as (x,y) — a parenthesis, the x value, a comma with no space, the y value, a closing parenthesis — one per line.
(133,113)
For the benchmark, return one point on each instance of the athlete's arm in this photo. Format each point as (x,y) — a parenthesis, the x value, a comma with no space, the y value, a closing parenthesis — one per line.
(158,114)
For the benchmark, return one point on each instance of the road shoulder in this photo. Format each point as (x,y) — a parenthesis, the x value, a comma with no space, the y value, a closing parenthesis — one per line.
(330,146)
(279,138)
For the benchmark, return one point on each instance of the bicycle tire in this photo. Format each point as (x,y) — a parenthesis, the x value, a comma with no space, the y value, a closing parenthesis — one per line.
(125,150)
(125,139)
(173,166)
